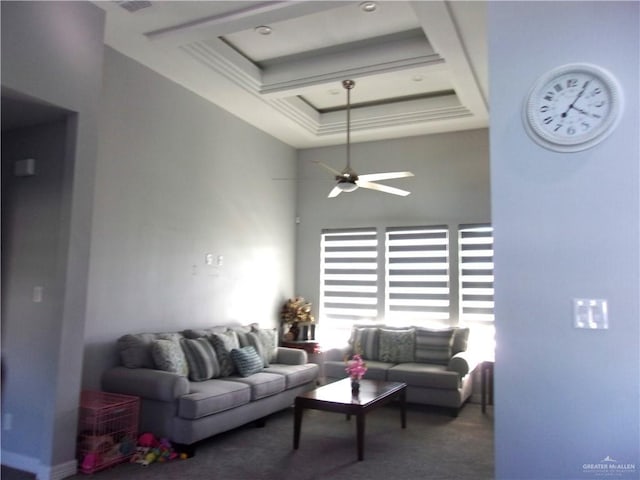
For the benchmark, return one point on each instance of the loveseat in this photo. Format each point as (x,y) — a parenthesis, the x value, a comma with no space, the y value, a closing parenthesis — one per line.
(198,383)
(434,363)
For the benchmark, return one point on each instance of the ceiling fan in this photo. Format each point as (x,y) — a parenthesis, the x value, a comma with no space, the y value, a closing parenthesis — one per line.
(348,180)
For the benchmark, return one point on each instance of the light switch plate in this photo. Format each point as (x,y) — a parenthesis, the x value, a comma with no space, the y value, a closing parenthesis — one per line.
(590,313)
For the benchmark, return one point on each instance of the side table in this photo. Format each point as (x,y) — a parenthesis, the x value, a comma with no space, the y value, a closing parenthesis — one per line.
(486,379)
(309,346)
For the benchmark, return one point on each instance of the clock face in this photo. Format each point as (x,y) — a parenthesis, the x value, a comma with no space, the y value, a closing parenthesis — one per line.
(572,107)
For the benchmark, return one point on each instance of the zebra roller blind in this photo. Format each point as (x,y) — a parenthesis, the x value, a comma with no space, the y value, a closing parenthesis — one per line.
(417,270)
(476,273)
(349,275)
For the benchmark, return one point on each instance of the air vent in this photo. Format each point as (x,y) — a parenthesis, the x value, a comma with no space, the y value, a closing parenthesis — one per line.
(133,5)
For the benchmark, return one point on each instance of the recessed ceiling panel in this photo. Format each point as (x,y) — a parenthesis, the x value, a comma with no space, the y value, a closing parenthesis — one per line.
(375,89)
(340,25)
(419,66)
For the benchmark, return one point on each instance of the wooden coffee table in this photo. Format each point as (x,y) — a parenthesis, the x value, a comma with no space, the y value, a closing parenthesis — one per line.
(336,397)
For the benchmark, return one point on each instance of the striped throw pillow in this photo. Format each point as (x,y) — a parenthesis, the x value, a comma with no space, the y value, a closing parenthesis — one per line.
(201,357)
(433,346)
(246,360)
(365,342)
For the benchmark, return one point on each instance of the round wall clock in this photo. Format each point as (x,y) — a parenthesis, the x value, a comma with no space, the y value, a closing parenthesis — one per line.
(572,107)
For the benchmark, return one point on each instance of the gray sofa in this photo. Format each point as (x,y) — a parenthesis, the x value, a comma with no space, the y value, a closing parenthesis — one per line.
(198,383)
(434,363)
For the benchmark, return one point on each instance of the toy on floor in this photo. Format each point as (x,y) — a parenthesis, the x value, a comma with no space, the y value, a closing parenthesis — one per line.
(150,449)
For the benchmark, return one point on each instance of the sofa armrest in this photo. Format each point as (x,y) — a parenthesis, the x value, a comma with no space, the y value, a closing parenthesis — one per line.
(291,356)
(462,363)
(337,354)
(145,383)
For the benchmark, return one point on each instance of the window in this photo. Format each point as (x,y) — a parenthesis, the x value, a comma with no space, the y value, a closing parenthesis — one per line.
(475,253)
(416,287)
(417,275)
(349,277)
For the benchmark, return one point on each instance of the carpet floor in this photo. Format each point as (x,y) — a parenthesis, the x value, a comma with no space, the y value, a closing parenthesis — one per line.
(434,446)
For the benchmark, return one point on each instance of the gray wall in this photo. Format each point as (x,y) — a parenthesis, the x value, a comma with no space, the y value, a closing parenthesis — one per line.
(39,61)
(177,178)
(566,226)
(31,211)
(451,186)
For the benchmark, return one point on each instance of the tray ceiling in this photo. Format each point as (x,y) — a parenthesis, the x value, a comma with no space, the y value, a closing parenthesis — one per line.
(419,67)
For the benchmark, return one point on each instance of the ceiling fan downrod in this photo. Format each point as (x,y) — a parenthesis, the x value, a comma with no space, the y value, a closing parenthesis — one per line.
(348,85)
(348,180)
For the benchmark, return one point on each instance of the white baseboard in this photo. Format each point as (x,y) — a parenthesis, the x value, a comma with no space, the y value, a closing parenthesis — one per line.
(33,465)
(20,462)
(58,472)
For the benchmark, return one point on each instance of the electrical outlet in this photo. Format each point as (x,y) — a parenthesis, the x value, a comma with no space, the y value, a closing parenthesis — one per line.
(590,313)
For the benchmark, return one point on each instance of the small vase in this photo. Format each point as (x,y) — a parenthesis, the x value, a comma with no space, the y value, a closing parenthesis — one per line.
(355,387)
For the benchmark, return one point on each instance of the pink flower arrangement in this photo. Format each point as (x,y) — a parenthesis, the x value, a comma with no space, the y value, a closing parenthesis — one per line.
(356,368)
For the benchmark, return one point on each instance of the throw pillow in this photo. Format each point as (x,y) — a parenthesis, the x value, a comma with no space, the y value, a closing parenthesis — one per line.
(265,341)
(433,346)
(365,342)
(168,356)
(201,357)
(246,360)
(223,343)
(460,340)
(397,346)
(242,332)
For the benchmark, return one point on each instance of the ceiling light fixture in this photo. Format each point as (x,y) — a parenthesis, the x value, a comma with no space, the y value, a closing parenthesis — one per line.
(368,7)
(263,30)
(348,180)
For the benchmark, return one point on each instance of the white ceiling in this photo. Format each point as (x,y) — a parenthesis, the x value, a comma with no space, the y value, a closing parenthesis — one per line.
(419,67)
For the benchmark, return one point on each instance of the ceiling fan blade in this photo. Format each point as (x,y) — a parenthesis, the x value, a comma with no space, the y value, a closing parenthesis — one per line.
(374,177)
(335,192)
(382,188)
(327,167)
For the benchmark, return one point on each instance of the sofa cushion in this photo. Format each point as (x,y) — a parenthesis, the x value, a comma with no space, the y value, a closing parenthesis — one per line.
(168,356)
(424,375)
(295,375)
(212,396)
(246,360)
(375,370)
(135,350)
(204,332)
(262,384)
(365,342)
(201,357)
(223,343)
(265,341)
(433,346)
(396,345)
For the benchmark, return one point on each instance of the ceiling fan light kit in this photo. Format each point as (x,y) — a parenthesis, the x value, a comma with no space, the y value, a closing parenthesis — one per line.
(347,186)
(348,180)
